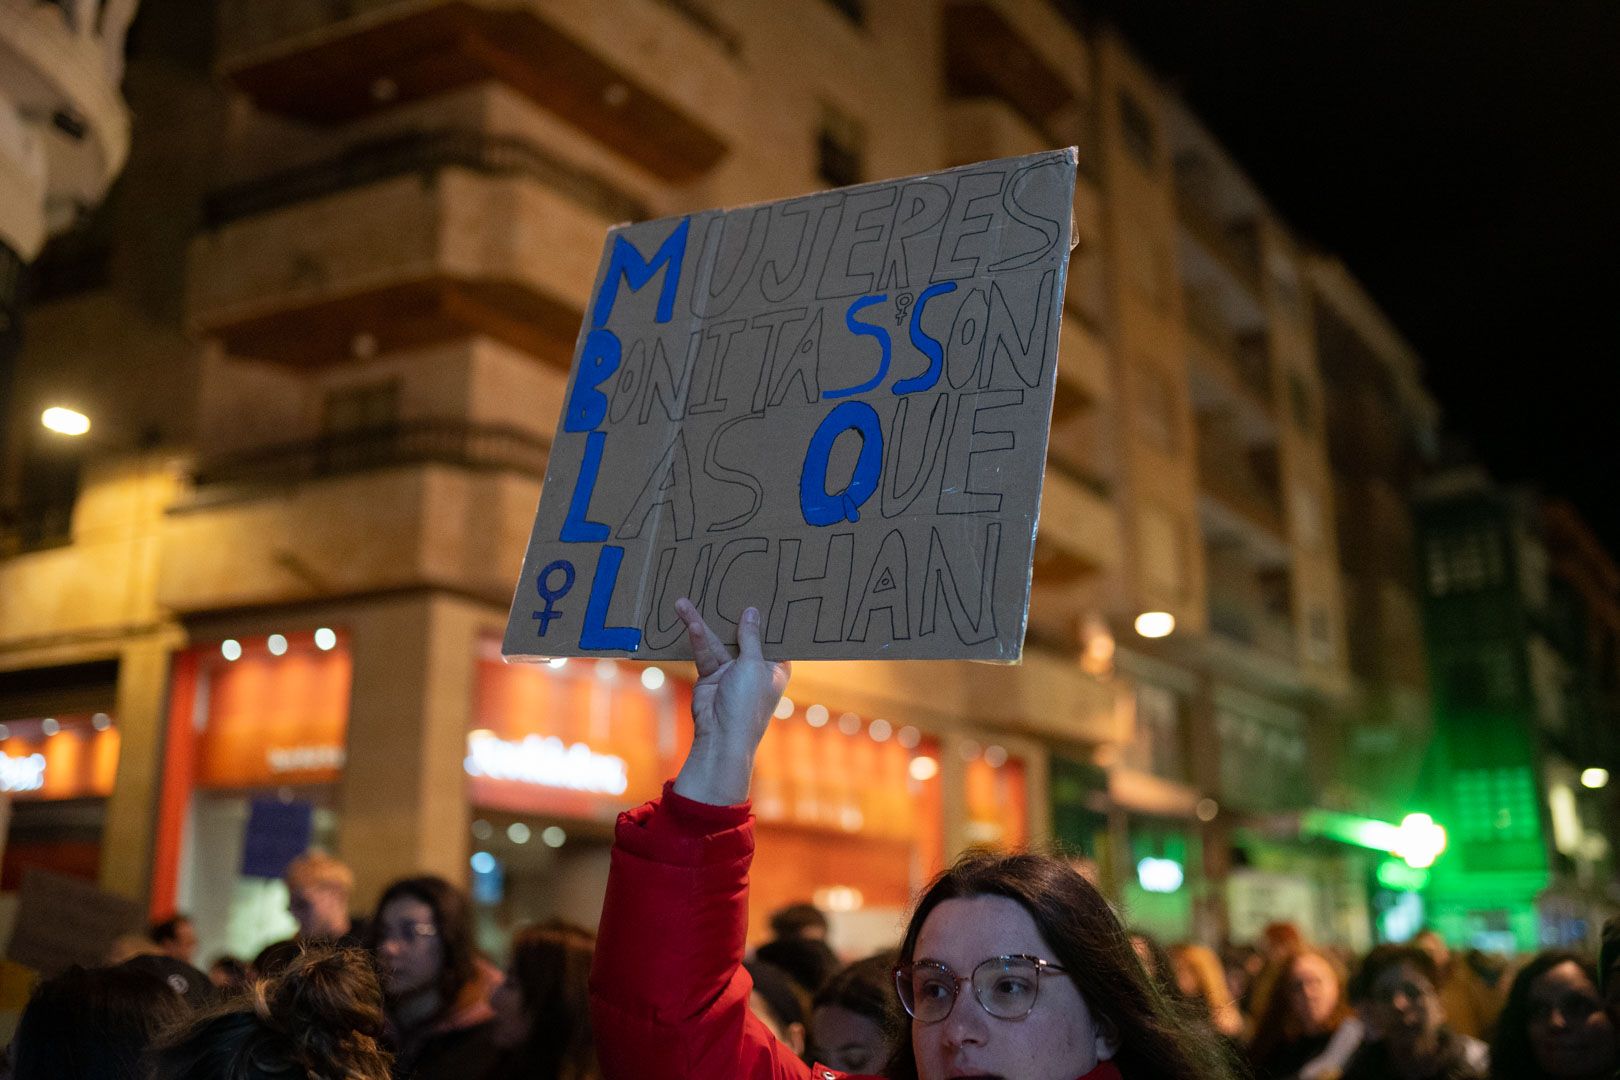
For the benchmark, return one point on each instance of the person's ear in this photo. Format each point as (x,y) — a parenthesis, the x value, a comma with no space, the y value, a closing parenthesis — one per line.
(1107,1039)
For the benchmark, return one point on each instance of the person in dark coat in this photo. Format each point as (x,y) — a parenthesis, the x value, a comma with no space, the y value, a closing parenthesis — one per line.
(437,987)
(1398,989)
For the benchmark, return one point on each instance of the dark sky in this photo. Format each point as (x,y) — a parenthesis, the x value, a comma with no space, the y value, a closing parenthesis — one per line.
(1464,159)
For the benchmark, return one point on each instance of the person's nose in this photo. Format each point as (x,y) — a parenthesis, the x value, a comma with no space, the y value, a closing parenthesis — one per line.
(1556,1019)
(968,1024)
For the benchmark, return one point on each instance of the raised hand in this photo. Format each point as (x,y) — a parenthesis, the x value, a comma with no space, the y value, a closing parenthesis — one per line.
(732,703)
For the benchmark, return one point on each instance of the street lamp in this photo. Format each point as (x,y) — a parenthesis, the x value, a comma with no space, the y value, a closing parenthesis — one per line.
(1155,624)
(65,421)
(1595,778)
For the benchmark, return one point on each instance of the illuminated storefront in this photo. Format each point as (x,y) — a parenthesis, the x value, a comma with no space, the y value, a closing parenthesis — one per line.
(850,809)
(57,772)
(257,742)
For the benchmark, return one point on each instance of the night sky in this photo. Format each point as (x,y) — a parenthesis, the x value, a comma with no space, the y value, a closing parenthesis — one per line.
(1464,160)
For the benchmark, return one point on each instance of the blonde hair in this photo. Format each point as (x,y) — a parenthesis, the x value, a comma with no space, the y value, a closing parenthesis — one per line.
(319,868)
(1206,970)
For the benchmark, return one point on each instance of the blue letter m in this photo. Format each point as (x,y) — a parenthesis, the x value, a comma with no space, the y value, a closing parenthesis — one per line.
(627,262)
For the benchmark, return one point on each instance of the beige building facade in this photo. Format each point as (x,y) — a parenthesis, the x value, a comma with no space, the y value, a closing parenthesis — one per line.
(345,383)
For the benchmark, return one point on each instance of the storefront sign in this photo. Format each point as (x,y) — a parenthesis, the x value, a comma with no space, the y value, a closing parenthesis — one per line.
(22,773)
(285,759)
(582,739)
(67,756)
(833,407)
(273,716)
(546,762)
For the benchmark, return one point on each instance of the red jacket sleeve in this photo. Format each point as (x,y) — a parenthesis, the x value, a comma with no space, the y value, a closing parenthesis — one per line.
(669,996)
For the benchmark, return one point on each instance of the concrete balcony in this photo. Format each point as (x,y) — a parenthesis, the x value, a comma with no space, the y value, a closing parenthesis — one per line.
(60,68)
(1235,246)
(1024,54)
(432,505)
(1083,377)
(654,82)
(1241,362)
(983,128)
(1047,694)
(1079,532)
(474,239)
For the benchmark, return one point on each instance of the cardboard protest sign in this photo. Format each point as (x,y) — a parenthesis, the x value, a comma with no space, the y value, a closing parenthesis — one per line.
(62,921)
(834,408)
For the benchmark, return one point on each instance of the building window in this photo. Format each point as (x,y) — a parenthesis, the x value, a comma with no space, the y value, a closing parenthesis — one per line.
(1156,744)
(363,407)
(1262,760)
(1464,561)
(1486,676)
(840,148)
(853,10)
(1136,126)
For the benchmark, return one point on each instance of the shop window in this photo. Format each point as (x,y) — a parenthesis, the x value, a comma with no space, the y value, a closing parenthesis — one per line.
(840,148)
(1136,128)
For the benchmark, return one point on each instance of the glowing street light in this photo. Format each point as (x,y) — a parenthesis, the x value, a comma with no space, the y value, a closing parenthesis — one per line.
(1420,841)
(65,421)
(1595,778)
(1155,624)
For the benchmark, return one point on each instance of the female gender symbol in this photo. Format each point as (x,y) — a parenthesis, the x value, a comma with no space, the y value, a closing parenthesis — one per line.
(550,595)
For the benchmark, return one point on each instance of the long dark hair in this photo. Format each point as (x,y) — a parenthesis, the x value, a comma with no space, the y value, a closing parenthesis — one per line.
(551,965)
(1278,1025)
(320,1016)
(452,918)
(1157,1038)
(93,1024)
(1511,1053)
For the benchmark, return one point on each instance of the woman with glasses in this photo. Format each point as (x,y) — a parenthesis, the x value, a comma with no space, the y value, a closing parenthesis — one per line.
(1012,966)
(436,986)
(1554,1023)
(1398,990)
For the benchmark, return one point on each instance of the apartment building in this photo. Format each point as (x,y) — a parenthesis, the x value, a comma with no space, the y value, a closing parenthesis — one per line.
(348,270)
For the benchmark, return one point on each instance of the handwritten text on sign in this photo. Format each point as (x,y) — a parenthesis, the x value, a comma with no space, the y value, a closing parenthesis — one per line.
(833,407)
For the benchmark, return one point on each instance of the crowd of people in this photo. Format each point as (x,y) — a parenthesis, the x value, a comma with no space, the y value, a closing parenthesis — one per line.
(1012,966)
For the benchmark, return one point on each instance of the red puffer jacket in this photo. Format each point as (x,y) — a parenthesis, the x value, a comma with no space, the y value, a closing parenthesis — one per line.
(669,996)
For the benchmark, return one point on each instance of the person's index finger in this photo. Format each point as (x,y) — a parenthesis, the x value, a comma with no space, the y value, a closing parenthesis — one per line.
(709,653)
(748,635)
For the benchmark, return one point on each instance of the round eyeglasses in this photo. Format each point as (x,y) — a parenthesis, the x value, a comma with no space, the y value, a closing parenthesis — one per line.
(1006,987)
